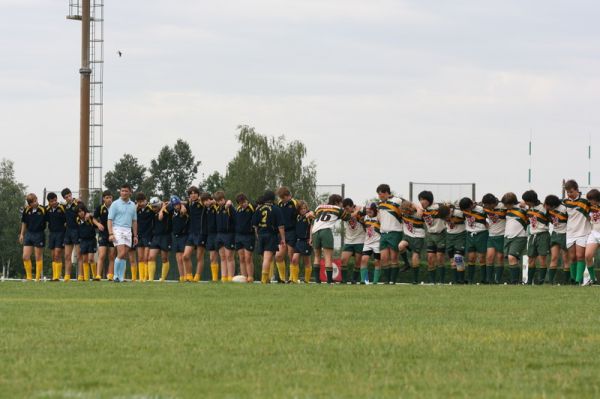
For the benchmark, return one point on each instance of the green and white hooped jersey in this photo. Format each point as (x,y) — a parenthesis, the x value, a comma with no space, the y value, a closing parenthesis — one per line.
(516,222)
(456,222)
(539,219)
(595,218)
(496,219)
(433,222)
(389,214)
(372,234)
(578,223)
(326,216)
(354,232)
(476,219)
(559,217)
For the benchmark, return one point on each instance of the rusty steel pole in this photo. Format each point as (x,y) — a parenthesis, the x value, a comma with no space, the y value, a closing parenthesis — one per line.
(84,116)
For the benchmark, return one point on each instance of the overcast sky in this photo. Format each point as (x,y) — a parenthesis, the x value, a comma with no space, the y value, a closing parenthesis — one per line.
(379,91)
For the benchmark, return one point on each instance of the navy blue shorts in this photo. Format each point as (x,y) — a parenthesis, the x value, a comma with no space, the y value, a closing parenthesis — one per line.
(302,247)
(87,246)
(290,237)
(211,242)
(226,240)
(267,243)
(103,241)
(34,239)
(179,243)
(245,241)
(144,240)
(71,237)
(56,239)
(162,242)
(196,240)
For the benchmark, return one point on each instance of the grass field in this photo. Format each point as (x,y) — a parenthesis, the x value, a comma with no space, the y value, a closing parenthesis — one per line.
(88,340)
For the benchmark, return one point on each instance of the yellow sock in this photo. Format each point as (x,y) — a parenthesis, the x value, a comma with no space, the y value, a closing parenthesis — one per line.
(281,270)
(143,271)
(109,277)
(272,271)
(59,267)
(196,277)
(28,269)
(134,272)
(86,272)
(39,269)
(214,270)
(189,277)
(307,273)
(181,279)
(80,278)
(294,273)
(164,271)
(53,270)
(93,270)
(67,278)
(264,277)
(151,270)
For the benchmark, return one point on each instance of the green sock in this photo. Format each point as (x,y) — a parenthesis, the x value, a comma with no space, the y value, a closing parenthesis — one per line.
(530,275)
(542,277)
(415,275)
(344,275)
(514,274)
(442,272)
(461,276)
(499,271)
(431,274)
(567,276)
(483,274)
(573,271)
(489,274)
(471,273)
(317,273)
(580,270)
(592,273)
(355,275)
(394,270)
(551,275)
(364,274)
(455,276)
(376,276)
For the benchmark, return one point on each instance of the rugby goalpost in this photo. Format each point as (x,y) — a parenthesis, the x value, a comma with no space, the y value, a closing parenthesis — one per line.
(443,192)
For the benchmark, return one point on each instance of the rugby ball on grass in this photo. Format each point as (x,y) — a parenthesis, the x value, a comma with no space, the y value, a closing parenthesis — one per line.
(239,279)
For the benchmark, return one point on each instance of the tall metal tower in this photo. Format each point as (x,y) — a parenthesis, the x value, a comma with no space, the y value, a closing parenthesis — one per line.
(91,15)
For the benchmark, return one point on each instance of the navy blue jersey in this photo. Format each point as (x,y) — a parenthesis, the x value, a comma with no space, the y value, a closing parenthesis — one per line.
(198,217)
(101,215)
(303,225)
(86,229)
(163,226)
(71,214)
(181,223)
(267,219)
(145,219)
(34,218)
(243,220)
(211,220)
(225,221)
(56,219)
(289,211)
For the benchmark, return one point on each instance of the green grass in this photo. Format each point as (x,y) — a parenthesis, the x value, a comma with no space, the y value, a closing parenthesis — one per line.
(88,340)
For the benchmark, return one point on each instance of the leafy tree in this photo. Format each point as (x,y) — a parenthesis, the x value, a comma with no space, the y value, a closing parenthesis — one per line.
(174,169)
(127,170)
(270,162)
(12,194)
(214,182)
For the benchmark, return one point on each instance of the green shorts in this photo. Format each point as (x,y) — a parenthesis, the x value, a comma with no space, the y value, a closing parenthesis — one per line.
(322,239)
(415,244)
(515,246)
(390,240)
(436,242)
(354,248)
(538,244)
(559,239)
(496,242)
(455,243)
(477,242)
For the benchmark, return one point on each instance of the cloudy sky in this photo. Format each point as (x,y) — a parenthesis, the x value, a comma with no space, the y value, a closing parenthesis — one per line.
(379,91)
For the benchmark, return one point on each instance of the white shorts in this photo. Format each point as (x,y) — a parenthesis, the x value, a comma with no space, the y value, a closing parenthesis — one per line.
(122,236)
(374,246)
(594,237)
(579,241)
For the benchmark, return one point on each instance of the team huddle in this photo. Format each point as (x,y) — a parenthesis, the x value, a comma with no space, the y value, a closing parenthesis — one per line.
(469,236)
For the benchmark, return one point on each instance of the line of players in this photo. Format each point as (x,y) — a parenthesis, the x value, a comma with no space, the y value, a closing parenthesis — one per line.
(473,235)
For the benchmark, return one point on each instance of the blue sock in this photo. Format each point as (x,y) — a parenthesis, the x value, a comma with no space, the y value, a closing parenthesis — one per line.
(122,272)
(118,263)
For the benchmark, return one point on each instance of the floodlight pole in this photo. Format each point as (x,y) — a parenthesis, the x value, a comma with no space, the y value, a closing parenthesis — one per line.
(84,116)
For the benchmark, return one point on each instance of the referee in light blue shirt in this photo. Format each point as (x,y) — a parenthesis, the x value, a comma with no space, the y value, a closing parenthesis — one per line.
(122,220)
